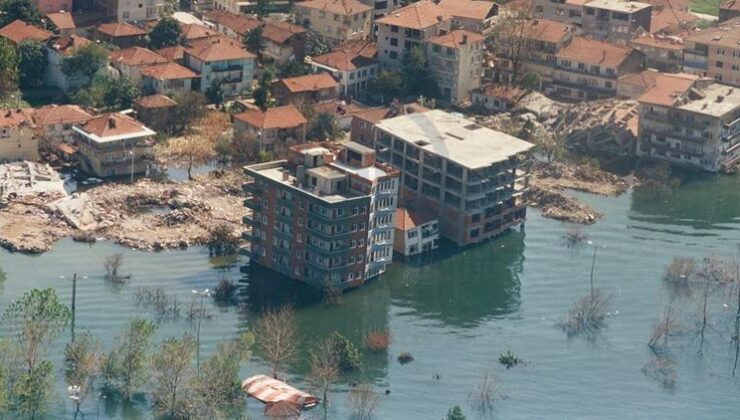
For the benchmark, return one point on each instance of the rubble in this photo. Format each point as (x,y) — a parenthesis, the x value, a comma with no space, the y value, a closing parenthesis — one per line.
(149,215)
(23,178)
(558,206)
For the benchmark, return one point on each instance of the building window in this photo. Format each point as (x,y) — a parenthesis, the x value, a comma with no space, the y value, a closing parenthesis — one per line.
(393,55)
(394,42)
(394,28)
(474,233)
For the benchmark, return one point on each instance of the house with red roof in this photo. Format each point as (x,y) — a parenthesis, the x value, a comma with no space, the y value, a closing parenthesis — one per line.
(56,121)
(353,65)
(274,129)
(158,112)
(167,79)
(416,232)
(18,31)
(283,41)
(216,59)
(307,89)
(114,144)
(57,50)
(17,140)
(338,20)
(120,34)
(130,62)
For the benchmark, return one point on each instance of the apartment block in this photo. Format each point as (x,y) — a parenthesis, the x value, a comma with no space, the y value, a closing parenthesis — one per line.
(472,15)
(324,216)
(715,52)
(456,63)
(589,69)
(339,20)
(17,136)
(690,122)
(564,11)
(408,28)
(219,59)
(662,52)
(615,20)
(469,177)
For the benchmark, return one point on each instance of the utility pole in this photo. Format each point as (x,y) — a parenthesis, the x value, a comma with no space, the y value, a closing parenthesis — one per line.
(202,293)
(74,303)
(131,152)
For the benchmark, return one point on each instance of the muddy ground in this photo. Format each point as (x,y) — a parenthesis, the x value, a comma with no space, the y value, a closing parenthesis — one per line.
(148,215)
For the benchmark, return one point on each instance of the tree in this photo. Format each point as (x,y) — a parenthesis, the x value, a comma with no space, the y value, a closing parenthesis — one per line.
(276,335)
(172,369)
(112,264)
(126,368)
(293,68)
(8,66)
(254,42)
(85,61)
(165,33)
(24,10)
(324,126)
(215,91)
(549,143)
(191,106)
(82,361)
(217,389)
(388,84)
(35,320)
(515,38)
(192,149)
(318,45)
(263,8)
(118,93)
(415,74)
(455,413)
(263,94)
(34,389)
(32,63)
(324,366)
(347,354)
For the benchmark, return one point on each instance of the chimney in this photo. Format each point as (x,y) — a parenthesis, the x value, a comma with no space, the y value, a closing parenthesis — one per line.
(111,122)
(464,39)
(285,176)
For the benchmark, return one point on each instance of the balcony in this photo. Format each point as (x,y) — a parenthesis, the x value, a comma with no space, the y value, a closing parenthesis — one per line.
(249,237)
(253,204)
(251,188)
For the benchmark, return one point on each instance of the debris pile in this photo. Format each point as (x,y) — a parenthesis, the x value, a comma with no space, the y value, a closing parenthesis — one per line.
(558,206)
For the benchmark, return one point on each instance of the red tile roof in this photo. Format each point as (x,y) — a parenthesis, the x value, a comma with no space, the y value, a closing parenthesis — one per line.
(210,50)
(169,71)
(730,5)
(309,83)
(349,56)
(62,20)
(156,101)
(340,7)
(191,31)
(286,116)
(727,34)
(419,15)
(136,56)
(68,44)
(667,88)
(407,219)
(671,42)
(112,124)
(238,23)
(589,51)
(60,114)
(120,30)
(280,32)
(174,53)
(470,9)
(547,30)
(457,38)
(18,31)
(669,20)
(15,118)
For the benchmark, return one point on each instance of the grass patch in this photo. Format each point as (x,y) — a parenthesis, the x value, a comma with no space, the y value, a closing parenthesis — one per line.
(709,7)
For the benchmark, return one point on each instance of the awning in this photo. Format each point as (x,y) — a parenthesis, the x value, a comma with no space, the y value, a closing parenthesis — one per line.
(269,391)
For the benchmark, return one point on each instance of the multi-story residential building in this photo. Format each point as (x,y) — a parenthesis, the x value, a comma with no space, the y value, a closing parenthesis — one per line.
(283,41)
(382,7)
(471,15)
(352,64)
(729,10)
(306,89)
(470,177)
(588,69)
(122,34)
(230,24)
(690,122)
(531,49)
(408,28)
(158,112)
(564,11)
(17,136)
(455,61)
(56,51)
(18,31)
(339,20)
(662,52)
(273,130)
(130,62)
(114,145)
(615,20)
(325,216)
(167,79)
(416,232)
(715,52)
(56,121)
(227,62)
(134,10)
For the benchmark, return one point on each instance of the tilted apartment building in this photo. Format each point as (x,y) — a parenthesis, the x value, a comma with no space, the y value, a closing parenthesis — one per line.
(690,122)
(470,177)
(325,216)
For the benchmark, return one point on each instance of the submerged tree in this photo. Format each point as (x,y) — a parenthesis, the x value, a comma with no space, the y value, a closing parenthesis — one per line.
(126,368)
(276,335)
(172,371)
(112,264)
(481,397)
(324,367)
(82,362)
(363,400)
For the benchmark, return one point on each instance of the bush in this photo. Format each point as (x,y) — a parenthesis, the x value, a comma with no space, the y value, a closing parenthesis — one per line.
(508,359)
(575,235)
(680,270)
(225,291)
(405,357)
(349,356)
(222,241)
(377,341)
(588,314)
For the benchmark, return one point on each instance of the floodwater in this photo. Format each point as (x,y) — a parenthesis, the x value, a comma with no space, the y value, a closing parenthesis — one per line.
(458,313)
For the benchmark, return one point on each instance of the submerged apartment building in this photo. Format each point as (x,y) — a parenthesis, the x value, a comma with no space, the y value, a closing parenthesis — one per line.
(690,122)
(324,216)
(469,177)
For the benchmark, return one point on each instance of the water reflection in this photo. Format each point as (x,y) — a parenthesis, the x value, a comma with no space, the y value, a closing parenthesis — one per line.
(466,286)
